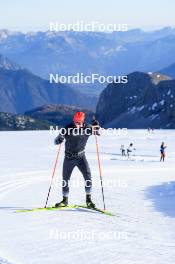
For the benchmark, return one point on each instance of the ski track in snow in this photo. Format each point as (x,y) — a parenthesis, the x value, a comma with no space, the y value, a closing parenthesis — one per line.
(142,231)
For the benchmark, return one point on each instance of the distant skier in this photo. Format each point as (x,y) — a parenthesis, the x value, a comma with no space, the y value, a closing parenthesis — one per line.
(162,152)
(130,150)
(75,155)
(150,130)
(122,149)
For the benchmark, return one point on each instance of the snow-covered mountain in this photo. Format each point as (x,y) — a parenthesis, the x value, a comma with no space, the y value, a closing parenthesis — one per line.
(147,100)
(90,52)
(7,64)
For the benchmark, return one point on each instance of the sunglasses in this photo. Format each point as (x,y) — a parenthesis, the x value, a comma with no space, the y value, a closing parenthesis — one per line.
(78,123)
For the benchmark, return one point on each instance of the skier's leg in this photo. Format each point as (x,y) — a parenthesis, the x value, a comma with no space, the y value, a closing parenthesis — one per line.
(85,170)
(128,153)
(68,167)
(163,157)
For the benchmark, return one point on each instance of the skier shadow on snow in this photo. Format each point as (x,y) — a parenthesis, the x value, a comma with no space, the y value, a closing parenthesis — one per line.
(11,208)
(163,198)
(140,155)
(81,210)
(137,160)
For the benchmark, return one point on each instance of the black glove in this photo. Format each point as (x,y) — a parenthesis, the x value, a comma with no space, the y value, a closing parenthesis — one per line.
(58,140)
(95,123)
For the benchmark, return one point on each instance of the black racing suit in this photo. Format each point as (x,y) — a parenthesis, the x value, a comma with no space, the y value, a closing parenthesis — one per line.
(75,142)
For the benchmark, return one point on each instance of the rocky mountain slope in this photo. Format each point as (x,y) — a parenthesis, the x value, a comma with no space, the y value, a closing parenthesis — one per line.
(41,118)
(10,122)
(57,114)
(21,90)
(147,100)
(170,70)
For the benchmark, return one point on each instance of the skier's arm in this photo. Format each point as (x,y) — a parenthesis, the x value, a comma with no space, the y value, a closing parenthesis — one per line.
(59,139)
(95,123)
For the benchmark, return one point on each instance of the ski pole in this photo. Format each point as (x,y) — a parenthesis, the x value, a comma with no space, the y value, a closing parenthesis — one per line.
(100,171)
(53,173)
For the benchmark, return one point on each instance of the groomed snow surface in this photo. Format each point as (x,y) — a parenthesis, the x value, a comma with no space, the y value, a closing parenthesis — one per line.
(140,191)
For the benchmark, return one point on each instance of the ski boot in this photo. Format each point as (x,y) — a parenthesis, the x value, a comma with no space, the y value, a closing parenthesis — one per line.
(89,202)
(63,203)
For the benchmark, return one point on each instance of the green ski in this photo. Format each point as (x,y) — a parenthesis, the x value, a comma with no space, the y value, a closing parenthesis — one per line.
(96,209)
(51,208)
(63,208)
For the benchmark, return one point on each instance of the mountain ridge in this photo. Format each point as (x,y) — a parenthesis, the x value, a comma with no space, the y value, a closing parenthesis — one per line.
(21,90)
(70,52)
(142,102)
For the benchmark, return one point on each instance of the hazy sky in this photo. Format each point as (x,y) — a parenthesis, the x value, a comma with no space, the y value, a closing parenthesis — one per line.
(27,15)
